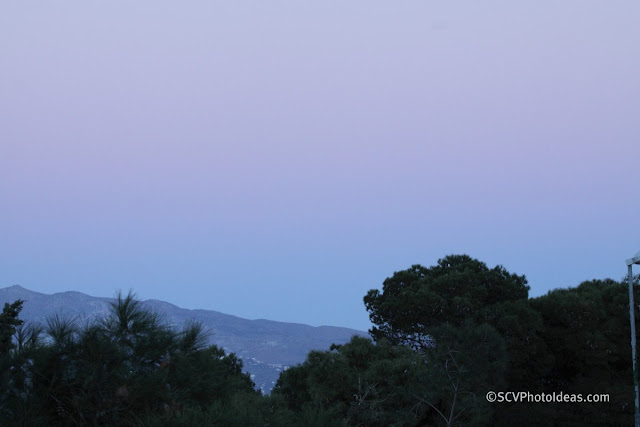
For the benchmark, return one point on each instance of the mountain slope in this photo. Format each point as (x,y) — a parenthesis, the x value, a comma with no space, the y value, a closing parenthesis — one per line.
(265,346)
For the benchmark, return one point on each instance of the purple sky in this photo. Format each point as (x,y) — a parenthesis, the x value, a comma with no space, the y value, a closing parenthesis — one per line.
(279,159)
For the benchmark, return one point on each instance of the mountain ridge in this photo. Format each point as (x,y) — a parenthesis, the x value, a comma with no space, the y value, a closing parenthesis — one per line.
(266,346)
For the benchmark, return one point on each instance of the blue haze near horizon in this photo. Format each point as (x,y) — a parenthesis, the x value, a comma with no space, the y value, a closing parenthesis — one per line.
(278,160)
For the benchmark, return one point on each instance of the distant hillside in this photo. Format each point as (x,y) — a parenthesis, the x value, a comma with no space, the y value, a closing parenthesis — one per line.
(265,346)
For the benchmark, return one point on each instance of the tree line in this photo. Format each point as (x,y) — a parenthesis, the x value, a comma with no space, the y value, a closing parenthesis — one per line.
(443,337)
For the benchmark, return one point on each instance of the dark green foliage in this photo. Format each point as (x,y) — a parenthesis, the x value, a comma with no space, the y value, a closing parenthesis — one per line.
(463,364)
(9,324)
(454,291)
(443,337)
(466,320)
(116,372)
(367,383)
(587,332)
(572,340)
(521,327)
(359,383)
(9,321)
(239,409)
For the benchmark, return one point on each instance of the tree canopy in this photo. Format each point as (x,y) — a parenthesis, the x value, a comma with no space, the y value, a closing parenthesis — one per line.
(121,370)
(442,337)
(457,290)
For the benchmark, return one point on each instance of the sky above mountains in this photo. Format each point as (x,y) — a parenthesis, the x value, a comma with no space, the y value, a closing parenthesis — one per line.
(279,159)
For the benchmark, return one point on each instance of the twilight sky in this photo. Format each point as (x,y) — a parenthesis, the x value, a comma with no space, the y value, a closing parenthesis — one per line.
(278,159)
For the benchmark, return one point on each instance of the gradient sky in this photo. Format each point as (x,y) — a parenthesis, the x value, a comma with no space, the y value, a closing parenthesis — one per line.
(278,159)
